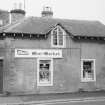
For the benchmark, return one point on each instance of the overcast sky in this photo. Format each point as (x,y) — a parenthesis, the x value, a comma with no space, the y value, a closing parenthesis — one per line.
(70,9)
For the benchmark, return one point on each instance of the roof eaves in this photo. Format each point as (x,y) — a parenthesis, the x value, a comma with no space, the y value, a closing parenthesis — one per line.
(102,36)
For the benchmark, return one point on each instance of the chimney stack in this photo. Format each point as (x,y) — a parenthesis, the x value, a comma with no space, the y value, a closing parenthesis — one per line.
(47,12)
(17,13)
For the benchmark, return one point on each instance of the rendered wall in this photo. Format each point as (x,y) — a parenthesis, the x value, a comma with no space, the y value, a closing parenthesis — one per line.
(21,75)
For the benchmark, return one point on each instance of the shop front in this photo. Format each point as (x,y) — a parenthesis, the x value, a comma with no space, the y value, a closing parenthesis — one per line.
(44,62)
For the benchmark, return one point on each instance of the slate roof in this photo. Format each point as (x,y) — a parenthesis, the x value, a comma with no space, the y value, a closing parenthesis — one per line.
(40,25)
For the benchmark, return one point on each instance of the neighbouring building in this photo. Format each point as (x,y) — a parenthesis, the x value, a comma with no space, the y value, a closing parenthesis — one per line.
(40,55)
(9,17)
(4,17)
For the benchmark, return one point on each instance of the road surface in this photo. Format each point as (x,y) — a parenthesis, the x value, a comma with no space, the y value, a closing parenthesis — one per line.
(85,101)
(78,102)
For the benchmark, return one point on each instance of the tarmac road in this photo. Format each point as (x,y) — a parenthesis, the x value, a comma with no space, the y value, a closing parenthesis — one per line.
(82,103)
(77,102)
(85,98)
(85,101)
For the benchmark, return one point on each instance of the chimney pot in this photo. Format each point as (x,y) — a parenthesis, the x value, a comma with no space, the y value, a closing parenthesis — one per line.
(47,12)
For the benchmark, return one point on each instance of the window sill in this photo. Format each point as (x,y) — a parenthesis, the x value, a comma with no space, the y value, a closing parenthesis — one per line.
(58,46)
(88,80)
(44,84)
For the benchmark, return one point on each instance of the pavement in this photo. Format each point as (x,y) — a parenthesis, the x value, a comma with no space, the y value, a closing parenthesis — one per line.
(43,98)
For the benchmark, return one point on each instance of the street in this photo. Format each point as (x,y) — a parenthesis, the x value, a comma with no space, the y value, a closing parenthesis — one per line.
(88,101)
(81,102)
(84,98)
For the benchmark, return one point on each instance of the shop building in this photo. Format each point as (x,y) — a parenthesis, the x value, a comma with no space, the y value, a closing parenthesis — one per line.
(40,55)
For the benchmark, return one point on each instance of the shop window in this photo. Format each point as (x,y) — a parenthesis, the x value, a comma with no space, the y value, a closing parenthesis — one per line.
(58,37)
(45,72)
(88,70)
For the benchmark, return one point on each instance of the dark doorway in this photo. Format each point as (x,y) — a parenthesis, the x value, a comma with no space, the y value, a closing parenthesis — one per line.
(1,76)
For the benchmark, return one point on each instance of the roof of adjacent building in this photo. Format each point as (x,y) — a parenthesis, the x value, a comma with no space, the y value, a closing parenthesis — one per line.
(40,25)
(3,11)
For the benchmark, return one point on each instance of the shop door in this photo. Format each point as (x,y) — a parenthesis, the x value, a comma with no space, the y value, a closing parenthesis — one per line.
(1,75)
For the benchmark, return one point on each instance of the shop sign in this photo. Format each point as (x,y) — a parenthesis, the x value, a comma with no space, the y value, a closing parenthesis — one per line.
(27,53)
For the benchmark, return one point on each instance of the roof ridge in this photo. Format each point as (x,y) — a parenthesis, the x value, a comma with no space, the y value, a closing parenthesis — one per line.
(61,19)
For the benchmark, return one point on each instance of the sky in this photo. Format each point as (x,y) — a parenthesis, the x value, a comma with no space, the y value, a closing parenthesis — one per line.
(67,9)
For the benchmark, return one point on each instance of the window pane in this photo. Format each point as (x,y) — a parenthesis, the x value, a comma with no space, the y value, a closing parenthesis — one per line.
(44,71)
(60,34)
(55,37)
(88,70)
(60,39)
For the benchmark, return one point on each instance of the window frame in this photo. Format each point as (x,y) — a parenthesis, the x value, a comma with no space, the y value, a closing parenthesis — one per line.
(94,71)
(51,70)
(64,38)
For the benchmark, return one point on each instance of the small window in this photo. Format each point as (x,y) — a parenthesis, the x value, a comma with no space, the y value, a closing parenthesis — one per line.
(45,72)
(58,37)
(88,70)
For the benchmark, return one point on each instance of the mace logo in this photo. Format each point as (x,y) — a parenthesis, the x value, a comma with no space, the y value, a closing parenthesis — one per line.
(22,52)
